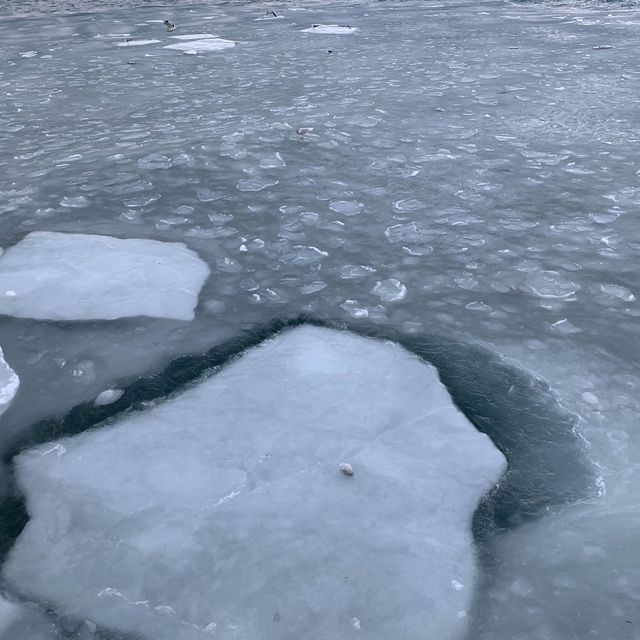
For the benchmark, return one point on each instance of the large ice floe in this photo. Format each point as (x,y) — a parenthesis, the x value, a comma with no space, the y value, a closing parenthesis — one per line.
(9,383)
(223,510)
(65,276)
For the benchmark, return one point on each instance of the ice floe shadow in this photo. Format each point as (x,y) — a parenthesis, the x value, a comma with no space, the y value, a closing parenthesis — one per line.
(547,465)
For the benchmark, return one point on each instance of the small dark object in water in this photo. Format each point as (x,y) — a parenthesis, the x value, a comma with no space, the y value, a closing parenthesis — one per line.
(272,13)
(127,39)
(130,62)
(315,26)
(329,51)
(169,25)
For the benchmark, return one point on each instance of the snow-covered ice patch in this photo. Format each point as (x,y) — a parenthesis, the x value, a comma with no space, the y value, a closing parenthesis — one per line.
(202,46)
(227,508)
(330,28)
(64,276)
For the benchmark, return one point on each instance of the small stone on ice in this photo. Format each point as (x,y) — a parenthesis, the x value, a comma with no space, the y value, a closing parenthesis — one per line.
(346,469)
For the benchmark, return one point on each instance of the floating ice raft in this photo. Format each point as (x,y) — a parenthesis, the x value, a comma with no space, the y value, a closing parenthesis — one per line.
(226,509)
(65,276)
(202,46)
(331,28)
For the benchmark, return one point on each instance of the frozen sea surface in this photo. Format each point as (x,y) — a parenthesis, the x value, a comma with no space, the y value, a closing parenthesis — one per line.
(223,510)
(64,276)
(462,170)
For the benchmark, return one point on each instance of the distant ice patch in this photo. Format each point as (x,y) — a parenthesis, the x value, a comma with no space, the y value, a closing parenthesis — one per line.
(202,46)
(65,276)
(136,43)
(9,383)
(194,36)
(322,484)
(331,28)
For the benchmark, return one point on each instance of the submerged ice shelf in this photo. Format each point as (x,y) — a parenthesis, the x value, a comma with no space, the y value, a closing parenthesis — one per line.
(64,276)
(223,509)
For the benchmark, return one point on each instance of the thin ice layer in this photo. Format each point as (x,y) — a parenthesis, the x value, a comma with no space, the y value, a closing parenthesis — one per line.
(64,276)
(9,383)
(223,510)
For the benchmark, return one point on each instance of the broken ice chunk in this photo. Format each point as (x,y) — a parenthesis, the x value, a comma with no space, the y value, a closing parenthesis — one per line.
(65,276)
(212,510)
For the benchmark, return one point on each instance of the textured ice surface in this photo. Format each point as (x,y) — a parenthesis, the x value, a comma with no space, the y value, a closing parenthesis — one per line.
(202,46)
(60,276)
(9,383)
(24,622)
(224,509)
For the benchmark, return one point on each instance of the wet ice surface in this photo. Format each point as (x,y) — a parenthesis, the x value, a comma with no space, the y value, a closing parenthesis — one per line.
(467,169)
(9,383)
(242,467)
(65,276)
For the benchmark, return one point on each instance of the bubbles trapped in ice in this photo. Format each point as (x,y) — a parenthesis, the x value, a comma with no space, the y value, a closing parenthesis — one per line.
(390,290)
(84,371)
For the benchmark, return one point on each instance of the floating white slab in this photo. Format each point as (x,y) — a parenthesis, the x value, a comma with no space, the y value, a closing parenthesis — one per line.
(66,276)
(229,508)
(202,46)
